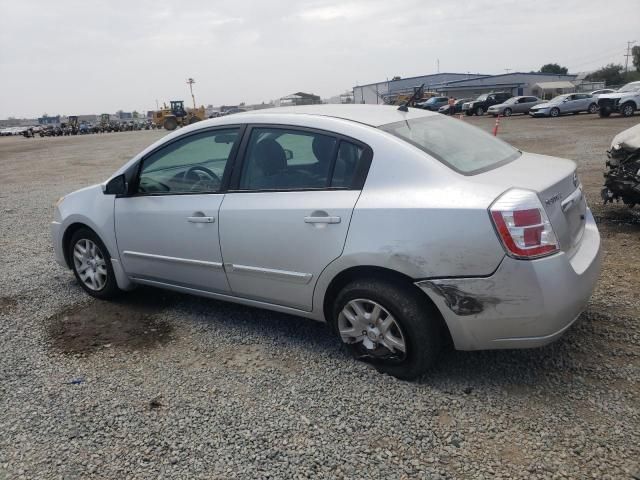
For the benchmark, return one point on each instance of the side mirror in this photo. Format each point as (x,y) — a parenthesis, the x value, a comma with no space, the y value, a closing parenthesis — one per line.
(288,154)
(116,186)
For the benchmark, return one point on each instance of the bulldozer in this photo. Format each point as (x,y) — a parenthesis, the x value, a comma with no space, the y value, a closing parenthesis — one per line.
(175,115)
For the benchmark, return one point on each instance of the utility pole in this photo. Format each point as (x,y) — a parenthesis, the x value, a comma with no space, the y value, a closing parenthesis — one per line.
(626,61)
(438,64)
(190,82)
(508,70)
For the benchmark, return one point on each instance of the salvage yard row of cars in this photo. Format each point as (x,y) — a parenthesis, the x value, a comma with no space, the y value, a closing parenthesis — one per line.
(625,101)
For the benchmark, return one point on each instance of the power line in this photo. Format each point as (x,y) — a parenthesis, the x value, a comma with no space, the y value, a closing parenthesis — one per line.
(626,60)
(593,60)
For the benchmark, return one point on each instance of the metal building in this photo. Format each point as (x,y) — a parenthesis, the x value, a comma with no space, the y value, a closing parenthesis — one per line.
(461,85)
(380,92)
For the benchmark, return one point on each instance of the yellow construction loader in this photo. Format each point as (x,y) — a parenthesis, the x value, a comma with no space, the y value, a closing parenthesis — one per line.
(176,116)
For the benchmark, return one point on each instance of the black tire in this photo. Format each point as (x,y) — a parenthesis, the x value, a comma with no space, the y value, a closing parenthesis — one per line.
(468,113)
(507,112)
(110,289)
(170,123)
(604,112)
(419,321)
(593,108)
(193,120)
(627,109)
(554,112)
(479,111)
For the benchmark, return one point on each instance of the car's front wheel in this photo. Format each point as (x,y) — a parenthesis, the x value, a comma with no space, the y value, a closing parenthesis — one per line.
(391,326)
(91,264)
(627,109)
(554,112)
(507,112)
(479,111)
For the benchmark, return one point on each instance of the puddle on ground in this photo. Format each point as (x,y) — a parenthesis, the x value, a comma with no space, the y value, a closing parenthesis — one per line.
(131,324)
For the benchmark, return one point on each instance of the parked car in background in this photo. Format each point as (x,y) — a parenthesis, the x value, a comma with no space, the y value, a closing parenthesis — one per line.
(355,215)
(596,93)
(624,101)
(457,106)
(567,103)
(481,104)
(433,104)
(514,105)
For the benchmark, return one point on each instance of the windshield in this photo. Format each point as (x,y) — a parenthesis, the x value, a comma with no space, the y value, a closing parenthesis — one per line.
(482,98)
(511,100)
(557,99)
(431,100)
(630,87)
(460,146)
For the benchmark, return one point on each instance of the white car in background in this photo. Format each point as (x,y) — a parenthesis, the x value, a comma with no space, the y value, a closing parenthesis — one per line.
(624,101)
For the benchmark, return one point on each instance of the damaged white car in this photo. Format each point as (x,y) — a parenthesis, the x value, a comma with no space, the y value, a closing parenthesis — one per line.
(403,229)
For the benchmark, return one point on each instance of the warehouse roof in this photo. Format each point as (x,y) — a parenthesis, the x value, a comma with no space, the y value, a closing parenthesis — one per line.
(552,85)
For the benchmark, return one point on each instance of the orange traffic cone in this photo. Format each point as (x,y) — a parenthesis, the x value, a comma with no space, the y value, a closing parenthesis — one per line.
(495,128)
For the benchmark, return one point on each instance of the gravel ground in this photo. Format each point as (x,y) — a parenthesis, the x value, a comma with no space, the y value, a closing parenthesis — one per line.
(163,385)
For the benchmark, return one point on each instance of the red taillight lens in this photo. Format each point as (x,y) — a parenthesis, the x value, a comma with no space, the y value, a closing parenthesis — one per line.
(522,225)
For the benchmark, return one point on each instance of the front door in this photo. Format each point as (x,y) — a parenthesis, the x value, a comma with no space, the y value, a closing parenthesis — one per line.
(167,231)
(289,214)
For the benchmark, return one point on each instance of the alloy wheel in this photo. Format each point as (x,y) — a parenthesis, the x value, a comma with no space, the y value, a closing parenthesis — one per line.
(373,327)
(90,264)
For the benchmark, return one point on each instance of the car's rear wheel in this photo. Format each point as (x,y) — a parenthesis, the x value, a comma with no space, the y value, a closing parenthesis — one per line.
(507,112)
(593,108)
(391,326)
(554,112)
(479,111)
(627,109)
(91,264)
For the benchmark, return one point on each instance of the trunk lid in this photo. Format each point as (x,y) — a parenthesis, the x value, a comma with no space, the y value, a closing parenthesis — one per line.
(557,186)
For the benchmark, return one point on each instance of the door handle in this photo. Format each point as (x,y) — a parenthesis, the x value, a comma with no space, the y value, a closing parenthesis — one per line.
(201,219)
(326,219)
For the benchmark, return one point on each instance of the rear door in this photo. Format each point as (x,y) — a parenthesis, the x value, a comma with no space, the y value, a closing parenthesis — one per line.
(287,213)
(584,100)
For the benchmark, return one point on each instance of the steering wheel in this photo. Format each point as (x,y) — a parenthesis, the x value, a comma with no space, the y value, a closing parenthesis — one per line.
(197,171)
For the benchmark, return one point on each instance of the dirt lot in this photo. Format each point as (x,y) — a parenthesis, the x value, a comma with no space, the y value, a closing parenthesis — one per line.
(162,385)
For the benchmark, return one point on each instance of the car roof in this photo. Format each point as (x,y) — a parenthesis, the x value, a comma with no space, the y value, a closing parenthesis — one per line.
(373,115)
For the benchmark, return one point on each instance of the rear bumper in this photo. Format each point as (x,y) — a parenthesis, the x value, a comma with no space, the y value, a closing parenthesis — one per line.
(525,303)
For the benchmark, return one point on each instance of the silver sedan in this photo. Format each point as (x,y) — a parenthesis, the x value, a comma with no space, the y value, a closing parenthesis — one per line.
(401,229)
(514,105)
(567,103)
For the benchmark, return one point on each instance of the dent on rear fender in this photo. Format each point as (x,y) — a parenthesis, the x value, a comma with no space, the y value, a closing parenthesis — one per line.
(459,301)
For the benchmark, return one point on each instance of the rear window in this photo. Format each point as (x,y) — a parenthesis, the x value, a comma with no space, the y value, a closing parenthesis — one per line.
(462,147)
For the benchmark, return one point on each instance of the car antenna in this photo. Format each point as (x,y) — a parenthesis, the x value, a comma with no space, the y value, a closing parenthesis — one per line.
(405,106)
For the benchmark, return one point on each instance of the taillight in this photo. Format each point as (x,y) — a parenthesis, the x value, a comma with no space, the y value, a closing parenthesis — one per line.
(522,224)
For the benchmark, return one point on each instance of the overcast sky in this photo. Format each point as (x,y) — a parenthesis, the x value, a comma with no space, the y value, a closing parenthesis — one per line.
(78,57)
